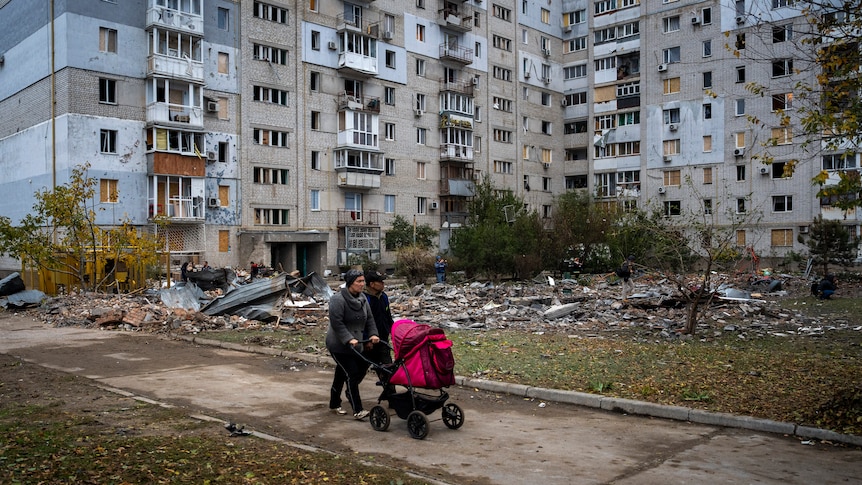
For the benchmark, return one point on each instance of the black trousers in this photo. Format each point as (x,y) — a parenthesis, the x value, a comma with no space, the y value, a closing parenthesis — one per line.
(350,369)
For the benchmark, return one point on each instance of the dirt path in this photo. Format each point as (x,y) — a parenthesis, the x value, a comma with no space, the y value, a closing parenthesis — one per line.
(504,439)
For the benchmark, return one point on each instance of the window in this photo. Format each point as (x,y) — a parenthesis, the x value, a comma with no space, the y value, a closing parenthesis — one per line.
(390,59)
(782,135)
(707,111)
(740,106)
(314,81)
(546,16)
(782,67)
(740,139)
(707,175)
(573,72)
(388,204)
(782,203)
(670,147)
(501,12)
(670,86)
(671,116)
(270,176)
(270,12)
(670,24)
(389,167)
(420,32)
(740,206)
(312,5)
(477,144)
(576,44)
(315,120)
(671,55)
(782,237)
(223,63)
(420,3)
(707,48)
(547,127)
(547,155)
(502,73)
(315,40)
(502,167)
(672,208)
(707,80)
(502,136)
(107,91)
(573,127)
(740,41)
(707,206)
(740,74)
(314,200)
(223,151)
(108,141)
(389,129)
(630,118)
(223,19)
(420,67)
(502,43)
(782,101)
(271,217)
(420,170)
(672,178)
(740,238)
(707,143)
(421,136)
(576,17)
(502,104)
(271,54)
(706,16)
(575,98)
(107,40)
(782,33)
(270,137)
(782,3)
(740,173)
(269,95)
(839,161)
(315,160)
(477,50)
(421,205)
(389,96)
(224,241)
(546,99)
(108,191)
(419,102)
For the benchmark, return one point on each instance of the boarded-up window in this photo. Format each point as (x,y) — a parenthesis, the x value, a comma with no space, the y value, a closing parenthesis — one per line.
(672,177)
(740,139)
(223,241)
(671,85)
(107,40)
(223,63)
(707,175)
(108,190)
(740,238)
(223,195)
(606,93)
(782,237)
(707,143)
(222,108)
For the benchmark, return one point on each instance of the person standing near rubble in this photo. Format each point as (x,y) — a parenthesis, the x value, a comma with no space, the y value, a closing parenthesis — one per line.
(440,269)
(350,318)
(378,300)
(625,272)
(184,272)
(827,287)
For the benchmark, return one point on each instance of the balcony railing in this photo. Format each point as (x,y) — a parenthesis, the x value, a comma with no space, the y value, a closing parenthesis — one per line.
(350,217)
(461,87)
(175,19)
(452,152)
(367,24)
(169,113)
(175,67)
(179,208)
(460,18)
(359,64)
(359,103)
(456,53)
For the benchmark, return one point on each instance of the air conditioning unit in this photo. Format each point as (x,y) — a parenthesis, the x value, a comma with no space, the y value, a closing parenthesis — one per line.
(213,202)
(387,34)
(475,81)
(740,19)
(803,229)
(211,156)
(546,80)
(695,20)
(418,112)
(672,127)
(434,206)
(666,159)
(564,102)
(332,45)
(567,30)
(764,170)
(546,52)
(546,165)
(212,106)
(527,75)
(738,152)
(662,190)
(662,67)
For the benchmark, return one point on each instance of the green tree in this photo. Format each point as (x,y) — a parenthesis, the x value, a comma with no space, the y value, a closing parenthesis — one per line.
(828,242)
(60,235)
(498,234)
(582,228)
(403,234)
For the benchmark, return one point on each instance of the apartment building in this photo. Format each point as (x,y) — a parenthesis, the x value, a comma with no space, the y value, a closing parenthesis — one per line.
(293,132)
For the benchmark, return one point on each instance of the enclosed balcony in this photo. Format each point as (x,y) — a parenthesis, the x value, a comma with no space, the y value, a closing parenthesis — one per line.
(361,22)
(358,103)
(357,54)
(358,169)
(179,198)
(456,144)
(184,15)
(455,15)
(174,103)
(455,53)
(457,187)
(176,55)
(460,87)
(358,129)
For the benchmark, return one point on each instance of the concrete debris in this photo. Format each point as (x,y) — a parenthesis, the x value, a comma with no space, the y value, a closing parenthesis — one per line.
(654,310)
(11,284)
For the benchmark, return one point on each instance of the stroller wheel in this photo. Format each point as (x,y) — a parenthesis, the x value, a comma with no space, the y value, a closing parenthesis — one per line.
(453,416)
(417,425)
(379,418)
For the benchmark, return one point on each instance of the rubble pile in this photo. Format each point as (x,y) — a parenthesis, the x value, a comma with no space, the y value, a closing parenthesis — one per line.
(542,305)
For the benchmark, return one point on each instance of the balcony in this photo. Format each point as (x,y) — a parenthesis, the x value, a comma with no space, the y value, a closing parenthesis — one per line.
(367,24)
(357,64)
(177,197)
(175,67)
(456,153)
(175,164)
(456,53)
(188,208)
(457,187)
(358,103)
(460,87)
(350,217)
(455,16)
(358,169)
(181,116)
(188,18)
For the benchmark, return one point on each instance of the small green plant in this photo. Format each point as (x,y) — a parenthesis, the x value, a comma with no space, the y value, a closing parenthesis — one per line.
(600,386)
(694,395)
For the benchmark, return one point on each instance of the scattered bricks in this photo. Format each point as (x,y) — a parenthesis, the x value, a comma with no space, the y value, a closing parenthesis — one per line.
(135,317)
(112,317)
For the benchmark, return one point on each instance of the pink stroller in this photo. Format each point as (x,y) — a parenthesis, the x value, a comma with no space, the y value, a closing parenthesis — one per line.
(423,359)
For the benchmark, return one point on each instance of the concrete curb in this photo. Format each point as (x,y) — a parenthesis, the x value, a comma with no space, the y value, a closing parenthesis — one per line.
(627,406)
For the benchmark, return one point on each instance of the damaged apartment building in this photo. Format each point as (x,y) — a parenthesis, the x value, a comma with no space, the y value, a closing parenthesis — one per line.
(293,132)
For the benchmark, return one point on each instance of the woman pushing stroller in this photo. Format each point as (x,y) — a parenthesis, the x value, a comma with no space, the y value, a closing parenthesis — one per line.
(349,318)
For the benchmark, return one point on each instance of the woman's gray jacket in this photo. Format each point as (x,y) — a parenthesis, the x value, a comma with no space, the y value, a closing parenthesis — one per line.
(349,318)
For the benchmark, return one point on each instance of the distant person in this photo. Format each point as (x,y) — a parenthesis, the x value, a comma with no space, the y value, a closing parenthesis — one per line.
(378,300)
(350,318)
(827,287)
(255,269)
(625,272)
(440,269)
(206,265)
(184,272)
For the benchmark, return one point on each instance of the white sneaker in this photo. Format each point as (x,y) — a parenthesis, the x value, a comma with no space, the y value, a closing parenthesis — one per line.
(339,411)
(361,414)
